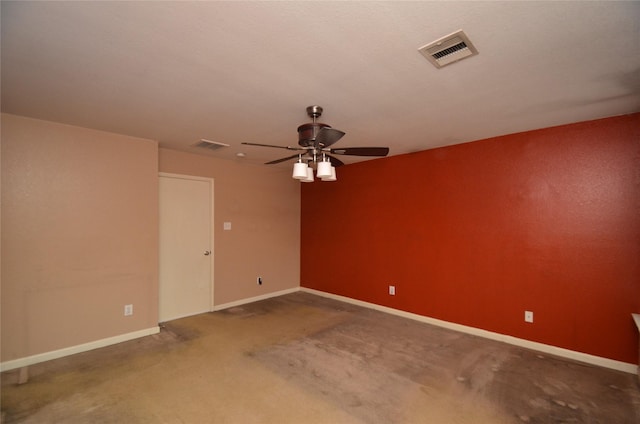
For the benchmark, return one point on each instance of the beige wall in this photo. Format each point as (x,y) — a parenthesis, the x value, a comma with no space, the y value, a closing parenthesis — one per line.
(263,205)
(79,235)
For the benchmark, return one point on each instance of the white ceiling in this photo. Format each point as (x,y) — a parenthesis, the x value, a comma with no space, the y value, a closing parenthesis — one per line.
(177,72)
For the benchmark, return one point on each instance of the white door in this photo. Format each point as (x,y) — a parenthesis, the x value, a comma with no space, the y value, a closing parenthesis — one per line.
(186,254)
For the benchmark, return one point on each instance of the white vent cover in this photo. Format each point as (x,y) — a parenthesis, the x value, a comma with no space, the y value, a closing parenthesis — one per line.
(210,145)
(448,49)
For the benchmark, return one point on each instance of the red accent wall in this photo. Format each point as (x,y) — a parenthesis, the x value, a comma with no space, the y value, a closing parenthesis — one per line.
(477,233)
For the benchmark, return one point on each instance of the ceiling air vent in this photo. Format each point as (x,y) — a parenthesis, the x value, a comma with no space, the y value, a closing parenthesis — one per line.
(210,145)
(449,49)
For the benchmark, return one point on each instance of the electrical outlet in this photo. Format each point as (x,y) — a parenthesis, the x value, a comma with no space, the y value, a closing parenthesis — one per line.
(528,316)
(128,310)
(392,290)
(259,281)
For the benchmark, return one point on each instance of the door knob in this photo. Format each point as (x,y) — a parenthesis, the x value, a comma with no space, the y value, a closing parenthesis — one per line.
(207,252)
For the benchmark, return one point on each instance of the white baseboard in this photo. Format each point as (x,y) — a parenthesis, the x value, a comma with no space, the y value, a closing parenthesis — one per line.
(254,299)
(47,356)
(541,347)
(55,354)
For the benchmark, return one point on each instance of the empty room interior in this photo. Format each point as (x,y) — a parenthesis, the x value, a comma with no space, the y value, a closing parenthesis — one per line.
(320,212)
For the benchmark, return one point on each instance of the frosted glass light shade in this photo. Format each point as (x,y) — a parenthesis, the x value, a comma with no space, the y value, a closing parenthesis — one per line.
(300,170)
(324,169)
(332,177)
(309,178)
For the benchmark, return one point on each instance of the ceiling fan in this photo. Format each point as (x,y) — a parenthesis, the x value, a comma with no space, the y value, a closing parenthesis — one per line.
(314,141)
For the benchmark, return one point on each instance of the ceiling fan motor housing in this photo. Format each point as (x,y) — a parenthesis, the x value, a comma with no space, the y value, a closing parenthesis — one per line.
(307,133)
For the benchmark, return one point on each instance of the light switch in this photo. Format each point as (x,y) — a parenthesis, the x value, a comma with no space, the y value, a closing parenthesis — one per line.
(227,226)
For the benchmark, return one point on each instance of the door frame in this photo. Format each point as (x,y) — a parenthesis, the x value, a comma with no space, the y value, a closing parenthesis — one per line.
(211,235)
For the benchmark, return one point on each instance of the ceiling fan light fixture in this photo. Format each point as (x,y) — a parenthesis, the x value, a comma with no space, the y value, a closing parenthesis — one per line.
(300,170)
(309,178)
(324,169)
(332,177)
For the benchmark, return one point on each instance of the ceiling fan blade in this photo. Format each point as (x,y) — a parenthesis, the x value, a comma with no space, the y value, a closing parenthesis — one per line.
(271,145)
(335,161)
(327,136)
(273,162)
(361,151)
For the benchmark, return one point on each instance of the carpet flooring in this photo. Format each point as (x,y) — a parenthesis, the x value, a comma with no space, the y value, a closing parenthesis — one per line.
(302,358)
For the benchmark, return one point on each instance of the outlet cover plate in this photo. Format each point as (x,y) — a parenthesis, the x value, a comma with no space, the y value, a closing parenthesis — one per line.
(528,316)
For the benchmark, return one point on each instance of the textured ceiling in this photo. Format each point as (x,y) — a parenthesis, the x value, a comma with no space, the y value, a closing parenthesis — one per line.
(177,72)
